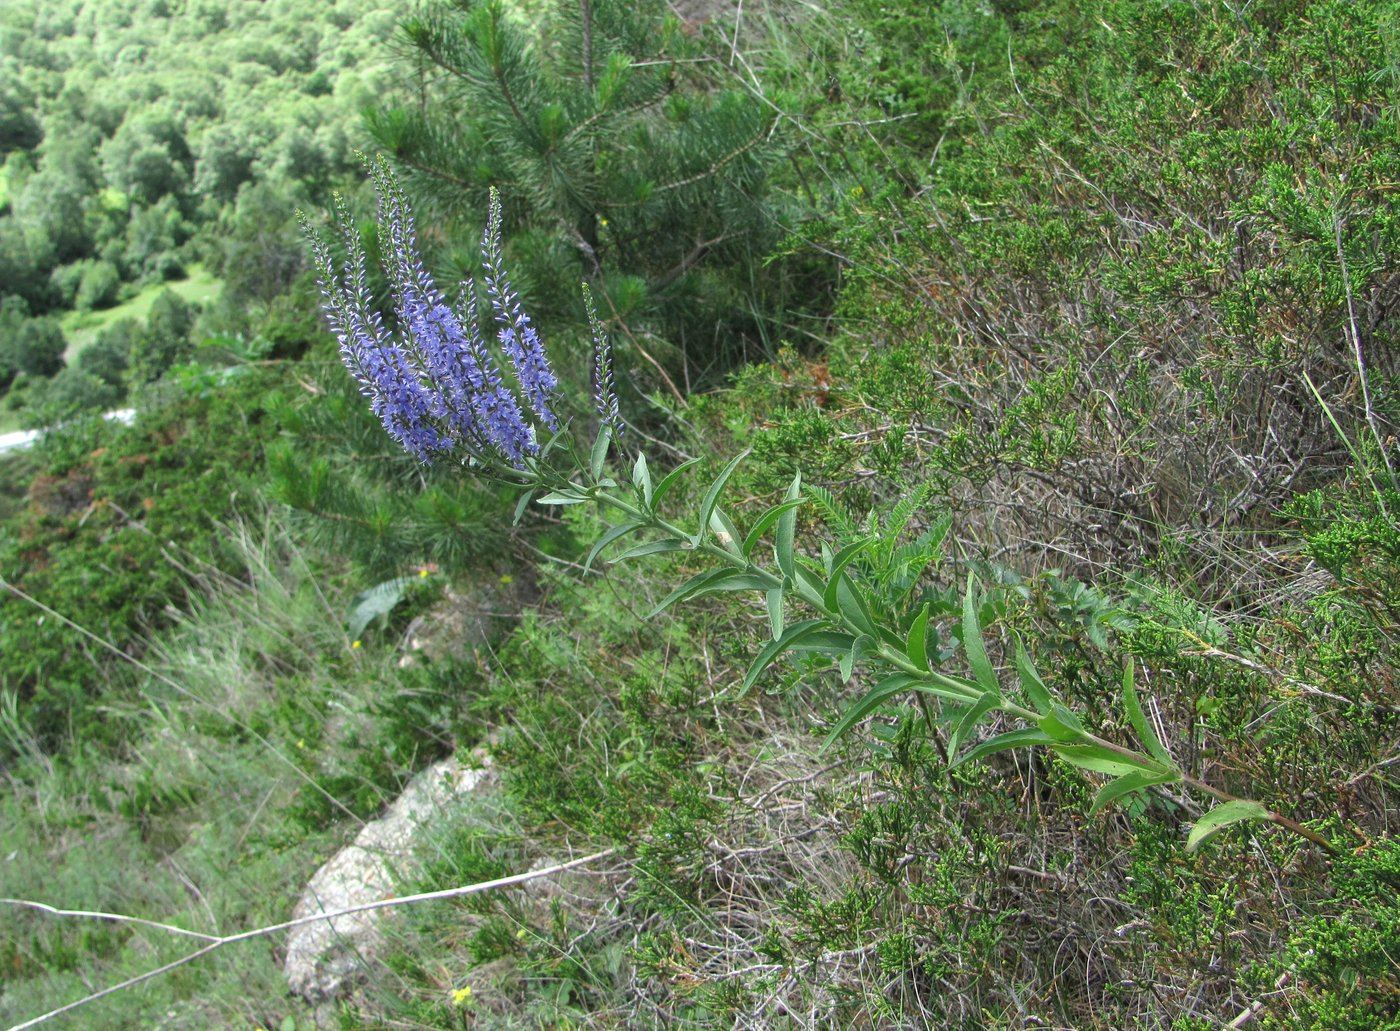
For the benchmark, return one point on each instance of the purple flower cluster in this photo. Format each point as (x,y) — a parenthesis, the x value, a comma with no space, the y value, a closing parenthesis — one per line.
(604,386)
(518,338)
(435,385)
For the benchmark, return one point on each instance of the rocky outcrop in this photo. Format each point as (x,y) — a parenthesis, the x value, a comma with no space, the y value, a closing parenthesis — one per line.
(324,957)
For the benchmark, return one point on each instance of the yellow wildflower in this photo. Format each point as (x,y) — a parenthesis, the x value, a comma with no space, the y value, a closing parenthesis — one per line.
(460,996)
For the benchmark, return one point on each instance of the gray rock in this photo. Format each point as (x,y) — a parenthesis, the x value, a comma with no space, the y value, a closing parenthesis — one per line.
(323,958)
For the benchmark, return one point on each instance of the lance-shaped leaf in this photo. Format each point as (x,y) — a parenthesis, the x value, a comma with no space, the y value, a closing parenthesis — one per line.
(843,558)
(712,495)
(860,648)
(556,439)
(600,451)
(1127,784)
(972,642)
(868,703)
(810,586)
(851,603)
(655,548)
(670,479)
(916,644)
(641,478)
(1028,737)
(560,498)
(765,522)
(1145,732)
(970,718)
(831,642)
(615,533)
(726,533)
(1031,685)
(1061,724)
(712,582)
(521,505)
(770,651)
(1103,760)
(787,527)
(773,600)
(1222,816)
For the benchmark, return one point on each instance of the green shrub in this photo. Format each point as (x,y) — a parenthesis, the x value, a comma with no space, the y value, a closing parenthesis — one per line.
(111,525)
(98,286)
(623,155)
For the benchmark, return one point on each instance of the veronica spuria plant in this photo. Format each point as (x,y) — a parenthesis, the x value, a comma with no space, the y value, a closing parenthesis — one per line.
(447,394)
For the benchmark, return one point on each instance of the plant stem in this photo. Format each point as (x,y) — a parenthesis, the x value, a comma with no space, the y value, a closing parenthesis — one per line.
(951,687)
(1273,817)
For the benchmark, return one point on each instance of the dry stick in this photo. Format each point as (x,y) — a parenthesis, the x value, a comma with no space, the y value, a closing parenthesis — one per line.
(1355,335)
(216,943)
(118,917)
(185,691)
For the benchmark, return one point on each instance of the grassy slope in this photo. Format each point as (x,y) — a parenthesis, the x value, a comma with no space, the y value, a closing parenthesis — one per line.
(81,327)
(755,878)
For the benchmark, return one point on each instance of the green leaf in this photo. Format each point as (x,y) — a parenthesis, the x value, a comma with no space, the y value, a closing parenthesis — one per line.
(860,648)
(899,518)
(1061,724)
(972,642)
(765,521)
(916,646)
(1145,732)
(809,584)
(1101,760)
(600,451)
(1028,737)
(770,651)
(713,581)
(654,548)
(844,558)
(965,726)
(787,527)
(851,603)
(712,495)
(641,478)
(686,589)
(832,642)
(739,580)
(669,480)
(1127,784)
(957,690)
(521,505)
(1221,817)
(774,601)
(1031,685)
(377,601)
(726,533)
(868,703)
(835,513)
(616,532)
(557,498)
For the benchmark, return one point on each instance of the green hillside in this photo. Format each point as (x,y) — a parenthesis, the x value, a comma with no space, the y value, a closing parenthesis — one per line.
(908,488)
